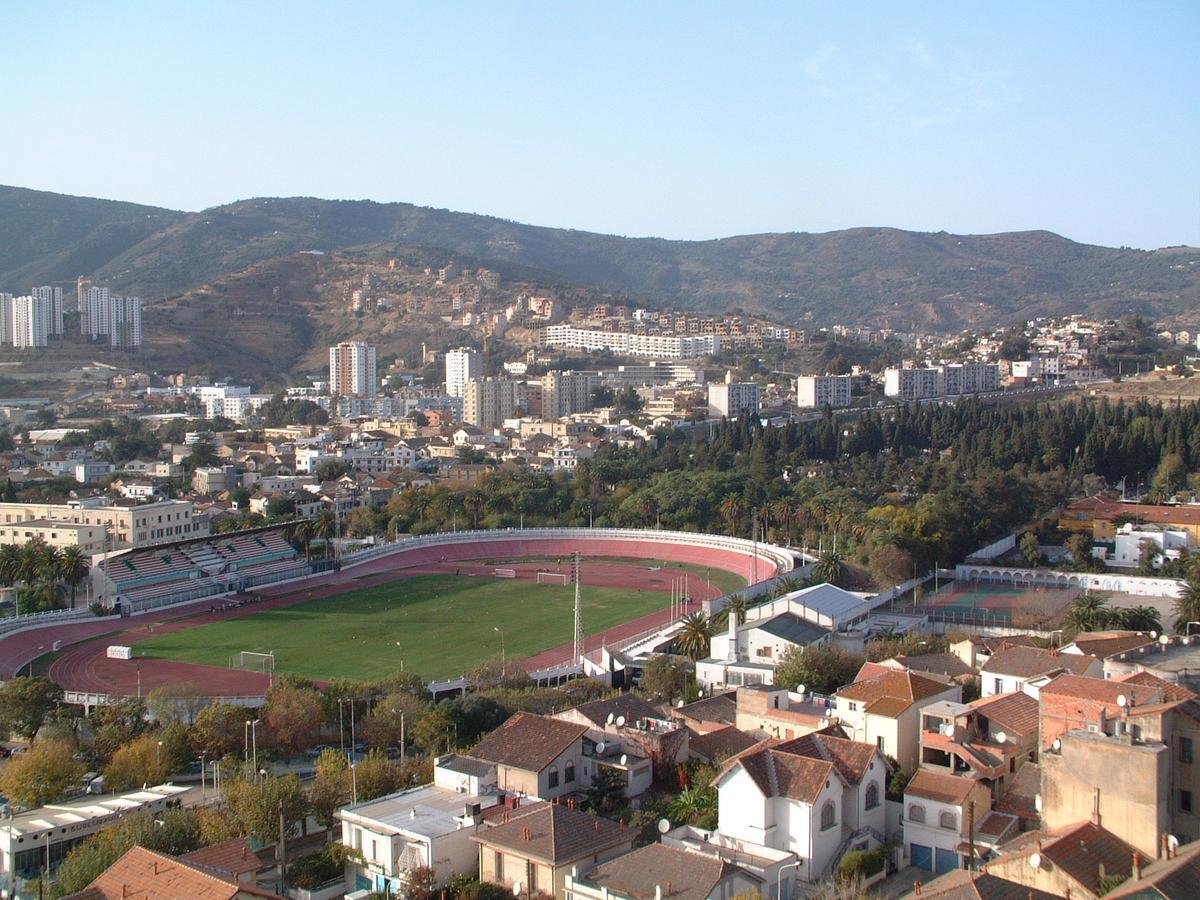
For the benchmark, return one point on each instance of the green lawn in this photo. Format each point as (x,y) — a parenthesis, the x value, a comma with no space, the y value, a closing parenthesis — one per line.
(725,582)
(438,625)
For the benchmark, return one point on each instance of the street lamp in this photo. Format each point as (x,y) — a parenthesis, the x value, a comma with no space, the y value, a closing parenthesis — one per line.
(354,783)
(158,755)
(779,879)
(503,658)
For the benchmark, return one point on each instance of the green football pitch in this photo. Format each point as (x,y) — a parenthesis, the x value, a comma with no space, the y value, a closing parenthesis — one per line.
(437,625)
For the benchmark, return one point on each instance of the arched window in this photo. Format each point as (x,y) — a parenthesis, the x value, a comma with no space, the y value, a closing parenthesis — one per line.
(828,816)
(872,795)
(569,772)
(916,812)
(948,820)
(552,777)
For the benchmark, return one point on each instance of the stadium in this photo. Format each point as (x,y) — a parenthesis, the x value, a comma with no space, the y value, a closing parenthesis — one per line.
(227,612)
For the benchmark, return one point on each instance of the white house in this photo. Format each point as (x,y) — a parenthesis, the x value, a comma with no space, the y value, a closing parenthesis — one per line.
(748,654)
(816,797)
(885,711)
(937,818)
(1010,668)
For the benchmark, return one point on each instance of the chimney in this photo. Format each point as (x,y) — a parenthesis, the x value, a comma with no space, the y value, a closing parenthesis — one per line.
(658,894)
(1096,807)
(1137,866)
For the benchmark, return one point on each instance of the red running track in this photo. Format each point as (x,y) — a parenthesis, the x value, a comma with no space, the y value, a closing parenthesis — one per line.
(87,668)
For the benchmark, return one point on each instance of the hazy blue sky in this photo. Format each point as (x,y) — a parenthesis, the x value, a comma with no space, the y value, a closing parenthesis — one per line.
(687,120)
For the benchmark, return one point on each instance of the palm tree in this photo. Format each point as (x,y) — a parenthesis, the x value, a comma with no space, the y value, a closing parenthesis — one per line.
(1140,618)
(829,568)
(473,500)
(1088,612)
(692,641)
(695,806)
(303,534)
(32,562)
(1187,606)
(736,605)
(731,511)
(10,563)
(73,566)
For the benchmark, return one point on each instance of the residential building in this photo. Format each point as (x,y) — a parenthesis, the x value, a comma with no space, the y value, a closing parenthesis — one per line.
(59,534)
(538,847)
(815,797)
(885,711)
(764,711)
(149,875)
(462,365)
(567,393)
(949,380)
(1080,859)
(537,756)
(940,812)
(1103,517)
(658,871)
(29,322)
(823,390)
(52,298)
(487,402)
(95,312)
(731,399)
(748,653)
(129,524)
(125,323)
(6,318)
(989,740)
(1011,667)
(629,344)
(428,826)
(653,745)
(352,370)
(912,384)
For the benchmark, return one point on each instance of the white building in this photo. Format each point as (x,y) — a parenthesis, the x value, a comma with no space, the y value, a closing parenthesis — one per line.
(566,393)
(624,344)
(823,390)
(125,323)
(462,365)
(749,653)
(53,297)
(352,370)
(1171,543)
(30,318)
(487,402)
(732,399)
(937,818)
(95,315)
(6,318)
(816,797)
(885,711)
(950,380)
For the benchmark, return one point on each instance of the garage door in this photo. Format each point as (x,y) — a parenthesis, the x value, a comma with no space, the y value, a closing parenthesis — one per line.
(944,861)
(921,856)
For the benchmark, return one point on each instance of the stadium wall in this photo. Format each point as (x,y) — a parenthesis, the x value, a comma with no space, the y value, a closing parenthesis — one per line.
(1136,585)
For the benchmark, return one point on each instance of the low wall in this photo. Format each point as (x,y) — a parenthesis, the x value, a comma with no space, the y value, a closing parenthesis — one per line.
(1136,585)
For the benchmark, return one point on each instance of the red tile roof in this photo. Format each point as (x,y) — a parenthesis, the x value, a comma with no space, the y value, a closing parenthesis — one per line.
(1171,691)
(556,834)
(148,875)
(1030,662)
(1103,508)
(852,759)
(655,868)
(528,742)
(901,688)
(233,857)
(1107,644)
(953,789)
(1015,712)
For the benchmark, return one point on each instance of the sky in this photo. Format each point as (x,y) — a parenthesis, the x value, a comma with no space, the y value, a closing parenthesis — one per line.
(688,120)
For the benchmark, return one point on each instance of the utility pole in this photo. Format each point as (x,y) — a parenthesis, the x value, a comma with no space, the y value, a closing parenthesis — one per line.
(282,849)
(577,650)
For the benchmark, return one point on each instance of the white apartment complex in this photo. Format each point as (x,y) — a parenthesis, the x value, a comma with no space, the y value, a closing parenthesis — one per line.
(30,318)
(624,344)
(487,402)
(53,297)
(129,525)
(731,398)
(462,365)
(949,380)
(352,370)
(119,319)
(95,312)
(566,393)
(823,390)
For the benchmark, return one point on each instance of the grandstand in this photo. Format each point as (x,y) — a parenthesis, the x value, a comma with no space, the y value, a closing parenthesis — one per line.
(168,573)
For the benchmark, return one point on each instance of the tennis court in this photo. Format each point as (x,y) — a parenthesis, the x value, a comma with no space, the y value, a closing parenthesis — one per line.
(1002,602)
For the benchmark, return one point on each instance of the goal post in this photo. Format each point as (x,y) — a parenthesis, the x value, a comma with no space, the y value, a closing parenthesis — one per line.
(257,661)
(553,578)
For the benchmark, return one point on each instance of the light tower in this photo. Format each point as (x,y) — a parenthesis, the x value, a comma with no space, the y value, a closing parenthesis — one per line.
(578,646)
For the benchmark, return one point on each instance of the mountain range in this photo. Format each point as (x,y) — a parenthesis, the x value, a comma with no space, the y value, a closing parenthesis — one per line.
(871,276)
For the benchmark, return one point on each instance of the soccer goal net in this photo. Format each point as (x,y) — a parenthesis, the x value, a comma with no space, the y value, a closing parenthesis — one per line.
(256,661)
(553,578)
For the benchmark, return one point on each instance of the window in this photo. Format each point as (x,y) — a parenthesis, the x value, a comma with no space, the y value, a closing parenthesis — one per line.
(880,744)
(498,865)
(552,777)
(872,800)
(1185,750)
(998,685)
(853,707)
(568,775)
(1185,801)
(947,819)
(828,816)
(916,813)
(532,879)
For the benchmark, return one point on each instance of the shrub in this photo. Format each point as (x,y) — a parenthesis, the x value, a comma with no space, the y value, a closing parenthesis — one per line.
(862,864)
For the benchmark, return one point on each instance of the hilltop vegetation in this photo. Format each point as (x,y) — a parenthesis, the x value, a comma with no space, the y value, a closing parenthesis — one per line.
(878,276)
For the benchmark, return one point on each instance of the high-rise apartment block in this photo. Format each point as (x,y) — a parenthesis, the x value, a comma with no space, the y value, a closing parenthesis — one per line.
(95,313)
(731,398)
(487,402)
(352,370)
(125,323)
(566,393)
(29,317)
(629,344)
(462,365)
(941,381)
(53,309)
(823,390)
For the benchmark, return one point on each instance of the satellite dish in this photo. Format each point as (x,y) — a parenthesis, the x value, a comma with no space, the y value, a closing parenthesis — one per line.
(801,688)
(1036,860)
(1122,700)
(611,718)
(679,705)
(600,747)
(664,825)
(1057,744)
(948,729)
(829,712)
(517,887)
(620,721)
(624,759)
(1154,635)
(1001,737)
(1172,843)
(1164,639)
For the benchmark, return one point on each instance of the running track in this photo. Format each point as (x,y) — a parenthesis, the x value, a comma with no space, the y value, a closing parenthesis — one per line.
(87,668)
